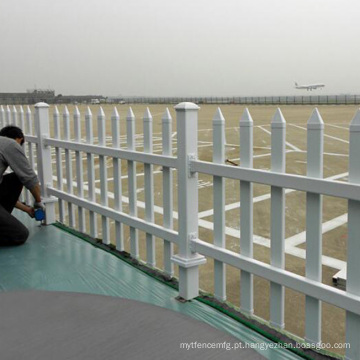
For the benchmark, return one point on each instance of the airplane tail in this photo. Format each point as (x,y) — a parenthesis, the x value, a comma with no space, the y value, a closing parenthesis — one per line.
(296,84)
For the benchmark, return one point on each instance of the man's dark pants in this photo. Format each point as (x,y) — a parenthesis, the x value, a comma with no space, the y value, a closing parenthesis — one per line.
(12,231)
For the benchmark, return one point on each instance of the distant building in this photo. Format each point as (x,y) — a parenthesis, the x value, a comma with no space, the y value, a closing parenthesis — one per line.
(79,99)
(34,96)
(27,98)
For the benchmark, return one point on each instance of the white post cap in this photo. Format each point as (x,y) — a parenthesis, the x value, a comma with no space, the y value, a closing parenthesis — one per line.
(186,106)
(41,105)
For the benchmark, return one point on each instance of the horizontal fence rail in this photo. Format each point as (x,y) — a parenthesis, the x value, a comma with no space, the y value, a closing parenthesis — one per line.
(286,181)
(137,223)
(145,158)
(76,187)
(281,277)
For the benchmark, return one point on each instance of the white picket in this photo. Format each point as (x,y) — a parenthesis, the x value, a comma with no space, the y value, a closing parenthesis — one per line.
(149,188)
(58,160)
(21,119)
(7,115)
(315,150)
(353,244)
(79,169)
(131,168)
(29,131)
(91,172)
(21,124)
(103,176)
(14,116)
(119,228)
(246,218)
(2,116)
(219,204)
(68,165)
(277,301)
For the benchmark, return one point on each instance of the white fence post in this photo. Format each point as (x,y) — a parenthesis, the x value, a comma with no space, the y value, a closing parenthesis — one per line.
(246,218)
(219,204)
(353,251)
(44,167)
(186,119)
(277,304)
(167,192)
(315,146)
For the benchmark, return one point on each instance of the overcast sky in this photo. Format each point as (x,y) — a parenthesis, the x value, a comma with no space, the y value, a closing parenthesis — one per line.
(179,47)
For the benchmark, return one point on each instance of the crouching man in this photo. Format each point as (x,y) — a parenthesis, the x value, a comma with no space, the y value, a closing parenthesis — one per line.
(12,231)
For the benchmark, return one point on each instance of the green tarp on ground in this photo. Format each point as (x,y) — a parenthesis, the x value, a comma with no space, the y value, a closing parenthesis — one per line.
(55,260)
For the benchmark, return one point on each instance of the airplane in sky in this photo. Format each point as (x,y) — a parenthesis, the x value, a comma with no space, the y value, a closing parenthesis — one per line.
(309,87)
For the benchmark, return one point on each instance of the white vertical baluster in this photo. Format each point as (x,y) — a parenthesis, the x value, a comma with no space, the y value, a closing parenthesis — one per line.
(31,132)
(246,218)
(188,261)
(14,116)
(28,122)
(278,135)
(22,127)
(353,250)
(119,228)
(315,149)
(167,192)
(21,119)
(68,165)
(7,115)
(219,203)
(130,129)
(2,117)
(91,172)
(149,188)
(30,147)
(36,123)
(59,167)
(103,176)
(79,169)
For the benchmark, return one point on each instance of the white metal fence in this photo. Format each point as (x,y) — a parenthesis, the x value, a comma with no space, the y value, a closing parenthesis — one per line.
(345,99)
(193,251)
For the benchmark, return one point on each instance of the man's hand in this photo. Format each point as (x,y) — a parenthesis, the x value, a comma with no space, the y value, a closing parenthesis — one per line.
(39,205)
(28,209)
